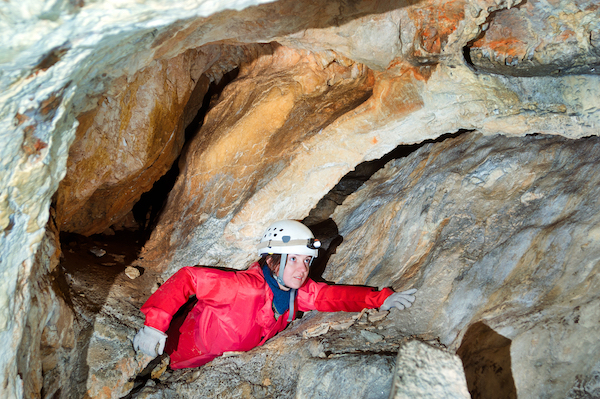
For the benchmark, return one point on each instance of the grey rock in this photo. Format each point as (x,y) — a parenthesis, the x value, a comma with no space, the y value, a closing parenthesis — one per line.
(350,376)
(423,371)
(495,229)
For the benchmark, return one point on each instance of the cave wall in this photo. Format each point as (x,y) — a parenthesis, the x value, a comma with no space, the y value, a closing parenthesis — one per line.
(321,88)
(492,234)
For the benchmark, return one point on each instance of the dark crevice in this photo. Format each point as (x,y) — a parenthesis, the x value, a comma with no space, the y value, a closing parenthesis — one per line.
(466,50)
(330,354)
(150,205)
(485,355)
(140,380)
(148,209)
(210,98)
(52,57)
(327,232)
(319,217)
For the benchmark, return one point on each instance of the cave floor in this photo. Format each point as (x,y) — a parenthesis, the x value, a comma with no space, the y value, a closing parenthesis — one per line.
(95,265)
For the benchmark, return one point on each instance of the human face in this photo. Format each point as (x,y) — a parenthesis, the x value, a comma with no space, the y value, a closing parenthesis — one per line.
(296,270)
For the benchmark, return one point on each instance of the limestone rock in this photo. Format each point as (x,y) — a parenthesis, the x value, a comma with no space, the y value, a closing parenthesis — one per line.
(321,89)
(351,376)
(538,38)
(426,372)
(487,232)
(588,386)
(125,144)
(48,348)
(261,121)
(286,365)
(132,272)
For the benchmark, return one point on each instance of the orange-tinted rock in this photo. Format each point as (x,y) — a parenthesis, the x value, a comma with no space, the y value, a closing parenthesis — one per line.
(260,124)
(124,145)
(132,138)
(278,139)
(434,24)
(537,39)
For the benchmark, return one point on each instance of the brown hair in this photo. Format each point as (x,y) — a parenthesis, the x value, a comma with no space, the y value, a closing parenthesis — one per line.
(275,261)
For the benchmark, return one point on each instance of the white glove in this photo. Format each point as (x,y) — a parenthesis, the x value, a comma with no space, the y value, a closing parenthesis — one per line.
(399,300)
(150,341)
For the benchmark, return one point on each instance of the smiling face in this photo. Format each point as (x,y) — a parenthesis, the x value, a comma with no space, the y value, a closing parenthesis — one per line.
(296,270)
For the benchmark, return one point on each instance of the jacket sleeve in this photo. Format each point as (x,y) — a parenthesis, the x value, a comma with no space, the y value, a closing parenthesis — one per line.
(209,285)
(333,298)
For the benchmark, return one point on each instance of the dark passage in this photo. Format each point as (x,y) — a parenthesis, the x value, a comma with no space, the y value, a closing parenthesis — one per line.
(486,358)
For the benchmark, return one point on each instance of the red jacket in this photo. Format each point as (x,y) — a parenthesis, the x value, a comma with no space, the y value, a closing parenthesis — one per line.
(234,311)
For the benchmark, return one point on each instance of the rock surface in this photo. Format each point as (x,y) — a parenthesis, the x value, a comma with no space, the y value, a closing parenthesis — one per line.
(541,38)
(426,372)
(137,131)
(497,256)
(495,231)
(262,120)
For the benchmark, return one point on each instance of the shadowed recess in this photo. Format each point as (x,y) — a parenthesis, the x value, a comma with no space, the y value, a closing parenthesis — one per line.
(486,358)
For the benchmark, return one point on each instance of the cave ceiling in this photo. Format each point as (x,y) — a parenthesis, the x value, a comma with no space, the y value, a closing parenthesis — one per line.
(407,71)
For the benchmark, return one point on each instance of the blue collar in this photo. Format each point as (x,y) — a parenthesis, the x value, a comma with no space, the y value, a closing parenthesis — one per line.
(281,298)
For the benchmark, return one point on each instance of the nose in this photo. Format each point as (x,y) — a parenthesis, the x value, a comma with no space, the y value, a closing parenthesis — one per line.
(305,266)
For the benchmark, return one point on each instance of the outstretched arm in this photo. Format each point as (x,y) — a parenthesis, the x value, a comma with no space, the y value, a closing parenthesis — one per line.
(333,298)
(166,301)
(209,285)
(159,310)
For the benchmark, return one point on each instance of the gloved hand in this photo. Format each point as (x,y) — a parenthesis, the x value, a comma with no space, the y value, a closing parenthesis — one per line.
(399,300)
(150,341)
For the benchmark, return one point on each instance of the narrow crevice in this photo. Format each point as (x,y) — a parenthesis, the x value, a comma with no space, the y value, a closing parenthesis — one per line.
(210,98)
(466,50)
(390,353)
(140,380)
(151,204)
(352,181)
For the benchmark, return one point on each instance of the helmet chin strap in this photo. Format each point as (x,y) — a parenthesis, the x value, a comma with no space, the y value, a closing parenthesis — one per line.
(292,290)
(292,309)
(281,269)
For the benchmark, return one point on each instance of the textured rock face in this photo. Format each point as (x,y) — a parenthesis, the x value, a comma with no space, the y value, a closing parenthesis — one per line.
(489,232)
(426,372)
(495,231)
(128,141)
(132,138)
(262,120)
(350,362)
(540,38)
(425,90)
(507,273)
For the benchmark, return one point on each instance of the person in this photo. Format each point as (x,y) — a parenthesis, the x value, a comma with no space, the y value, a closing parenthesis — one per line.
(240,310)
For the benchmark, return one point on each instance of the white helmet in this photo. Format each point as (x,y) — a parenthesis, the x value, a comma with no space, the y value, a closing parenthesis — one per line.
(288,237)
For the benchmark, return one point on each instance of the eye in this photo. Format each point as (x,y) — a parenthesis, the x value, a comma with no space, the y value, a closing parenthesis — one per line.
(293,258)
(307,261)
